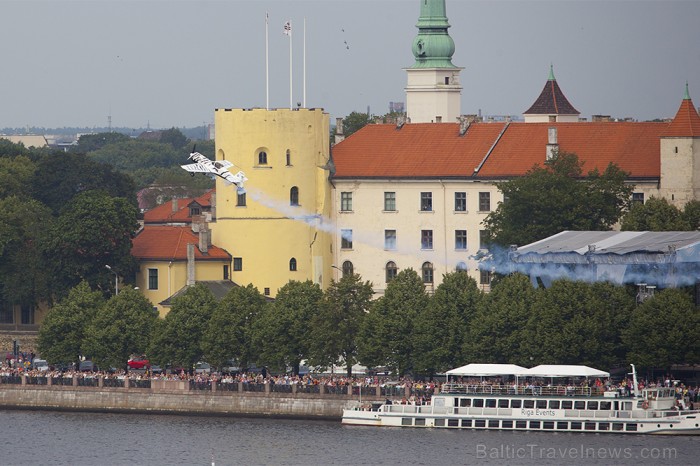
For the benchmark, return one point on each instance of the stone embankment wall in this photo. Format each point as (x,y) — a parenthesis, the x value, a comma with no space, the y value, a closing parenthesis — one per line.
(174,397)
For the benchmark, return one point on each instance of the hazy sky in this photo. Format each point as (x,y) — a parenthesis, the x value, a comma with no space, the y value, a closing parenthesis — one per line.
(172,62)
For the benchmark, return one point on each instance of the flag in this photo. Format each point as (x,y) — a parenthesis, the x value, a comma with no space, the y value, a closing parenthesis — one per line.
(267,17)
(288,28)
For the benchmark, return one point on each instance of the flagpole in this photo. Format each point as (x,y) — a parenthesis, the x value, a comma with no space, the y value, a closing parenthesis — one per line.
(304,67)
(291,103)
(267,62)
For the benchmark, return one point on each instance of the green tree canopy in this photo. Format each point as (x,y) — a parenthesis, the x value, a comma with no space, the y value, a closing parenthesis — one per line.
(557,197)
(178,338)
(336,326)
(65,328)
(136,154)
(354,122)
(16,174)
(174,138)
(229,332)
(283,330)
(92,142)
(120,328)
(657,214)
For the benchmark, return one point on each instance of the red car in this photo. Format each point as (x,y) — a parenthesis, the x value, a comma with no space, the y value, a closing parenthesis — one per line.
(139,362)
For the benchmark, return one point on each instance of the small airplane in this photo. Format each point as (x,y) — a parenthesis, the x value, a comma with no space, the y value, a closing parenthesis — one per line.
(218,168)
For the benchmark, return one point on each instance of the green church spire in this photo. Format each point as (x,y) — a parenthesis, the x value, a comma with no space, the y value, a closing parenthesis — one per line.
(433,47)
(551,72)
(687,93)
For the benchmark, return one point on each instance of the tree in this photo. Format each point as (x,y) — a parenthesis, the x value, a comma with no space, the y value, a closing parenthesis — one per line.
(92,231)
(442,330)
(657,214)
(137,154)
(92,142)
(283,331)
(174,137)
(557,197)
(336,326)
(497,333)
(120,328)
(177,339)
(64,329)
(664,330)
(388,330)
(228,333)
(16,174)
(354,122)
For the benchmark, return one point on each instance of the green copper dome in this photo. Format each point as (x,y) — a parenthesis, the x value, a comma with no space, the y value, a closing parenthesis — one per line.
(433,47)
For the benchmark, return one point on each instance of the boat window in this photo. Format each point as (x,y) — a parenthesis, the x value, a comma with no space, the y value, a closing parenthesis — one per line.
(493,423)
(592,405)
(553,404)
(479,423)
(507,424)
(603,426)
(521,424)
(562,425)
(439,423)
(617,426)
(503,403)
(575,425)
(631,427)
(567,404)
(406,421)
(627,406)
(529,404)
(490,403)
(548,425)
(420,421)
(590,425)
(478,402)
(465,402)
(605,405)
(453,423)
(466,422)
(579,405)
(516,403)
(534,424)
(541,404)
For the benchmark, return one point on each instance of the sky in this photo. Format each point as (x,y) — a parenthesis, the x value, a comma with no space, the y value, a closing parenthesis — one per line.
(171,63)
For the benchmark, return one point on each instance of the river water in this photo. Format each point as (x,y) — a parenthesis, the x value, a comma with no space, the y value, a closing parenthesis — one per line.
(61,438)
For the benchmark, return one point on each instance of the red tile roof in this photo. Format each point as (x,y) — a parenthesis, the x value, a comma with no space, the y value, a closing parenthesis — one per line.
(170,243)
(164,212)
(551,101)
(686,123)
(432,150)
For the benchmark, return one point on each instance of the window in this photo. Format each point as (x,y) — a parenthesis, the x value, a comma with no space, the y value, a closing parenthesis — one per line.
(348,269)
(390,239)
(483,239)
(461,239)
(152,279)
(294,196)
(262,158)
(426,239)
(195,210)
(460,202)
(7,313)
(390,201)
(461,267)
(289,158)
(237,264)
(292,265)
(346,202)
(267,291)
(427,269)
(426,202)
(226,272)
(484,202)
(391,271)
(484,277)
(27,315)
(637,198)
(241,200)
(345,239)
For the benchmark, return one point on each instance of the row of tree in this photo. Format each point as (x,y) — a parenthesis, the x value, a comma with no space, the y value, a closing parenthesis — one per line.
(406,330)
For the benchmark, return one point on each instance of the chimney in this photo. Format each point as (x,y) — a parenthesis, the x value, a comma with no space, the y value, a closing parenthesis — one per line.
(463,125)
(339,136)
(174,203)
(212,202)
(204,236)
(552,144)
(190,264)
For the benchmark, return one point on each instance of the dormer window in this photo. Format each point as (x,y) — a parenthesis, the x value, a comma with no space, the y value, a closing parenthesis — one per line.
(195,210)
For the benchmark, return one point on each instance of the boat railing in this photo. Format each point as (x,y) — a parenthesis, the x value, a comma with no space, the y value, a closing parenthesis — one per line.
(532,390)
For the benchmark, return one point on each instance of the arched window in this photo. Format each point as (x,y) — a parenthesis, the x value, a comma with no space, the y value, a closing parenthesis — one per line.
(391,271)
(294,196)
(262,158)
(289,158)
(348,269)
(292,265)
(427,272)
(461,267)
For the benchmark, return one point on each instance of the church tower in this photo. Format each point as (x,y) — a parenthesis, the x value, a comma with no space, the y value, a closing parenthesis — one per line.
(551,105)
(680,155)
(433,90)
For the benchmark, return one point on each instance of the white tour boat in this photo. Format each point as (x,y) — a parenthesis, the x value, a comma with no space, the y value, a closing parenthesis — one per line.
(550,407)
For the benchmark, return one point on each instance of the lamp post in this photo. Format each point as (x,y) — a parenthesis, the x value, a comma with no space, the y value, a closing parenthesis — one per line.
(116,279)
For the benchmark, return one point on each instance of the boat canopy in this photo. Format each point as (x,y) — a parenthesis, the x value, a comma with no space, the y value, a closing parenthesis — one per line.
(486,370)
(546,370)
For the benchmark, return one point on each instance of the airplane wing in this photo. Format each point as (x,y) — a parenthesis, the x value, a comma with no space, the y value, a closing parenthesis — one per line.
(239,178)
(197,168)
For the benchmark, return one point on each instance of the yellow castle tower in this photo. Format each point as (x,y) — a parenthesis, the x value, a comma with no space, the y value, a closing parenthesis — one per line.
(280,229)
